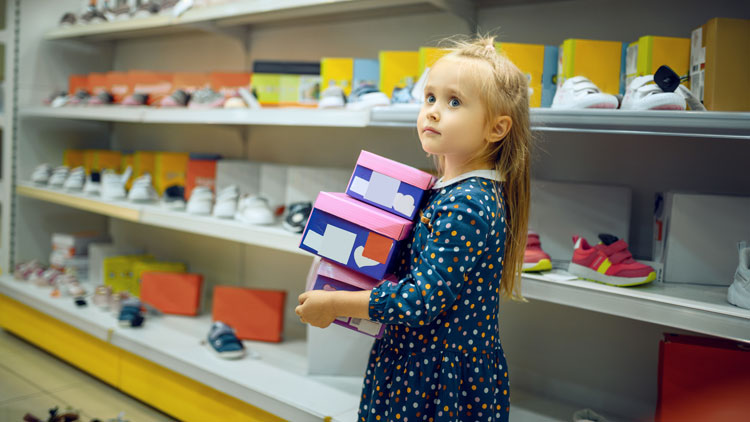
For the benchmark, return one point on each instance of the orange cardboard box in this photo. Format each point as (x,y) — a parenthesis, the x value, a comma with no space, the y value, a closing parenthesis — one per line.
(119,85)
(74,158)
(172,293)
(190,81)
(76,82)
(254,314)
(97,83)
(228,83)
(100,159)
(156,84)
(200,173)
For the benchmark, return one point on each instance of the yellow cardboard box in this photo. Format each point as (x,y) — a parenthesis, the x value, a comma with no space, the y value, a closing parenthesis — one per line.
(529,58)
(337,71)
(118,272)
(649,52)
(602,62)
(74,158)
(428,56)
(398,69)
(101,159)
(170,169)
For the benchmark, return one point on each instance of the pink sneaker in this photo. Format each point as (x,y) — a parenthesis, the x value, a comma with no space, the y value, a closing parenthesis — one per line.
(534,258)
(609,262)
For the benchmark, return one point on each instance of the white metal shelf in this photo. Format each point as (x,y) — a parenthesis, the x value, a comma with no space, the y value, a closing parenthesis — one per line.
(273,237)
(253,12)
(277,381)
(703,309)
(264,116)
(730,125)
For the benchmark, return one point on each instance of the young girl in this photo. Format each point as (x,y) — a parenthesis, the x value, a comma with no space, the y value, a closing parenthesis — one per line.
(440,358)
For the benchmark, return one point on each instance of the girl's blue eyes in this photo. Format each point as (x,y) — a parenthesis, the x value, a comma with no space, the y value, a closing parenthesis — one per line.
(454,102)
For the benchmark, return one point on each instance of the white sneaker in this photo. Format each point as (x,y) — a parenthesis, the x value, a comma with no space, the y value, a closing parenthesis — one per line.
(254,210)
(113,184)
(644,94)
(578,92)
(200,201)
(93,185)
(332,97)
(226,202)
(739,290)
(143,190)
(59,175)
(41,174)
(249,98)
(75,179)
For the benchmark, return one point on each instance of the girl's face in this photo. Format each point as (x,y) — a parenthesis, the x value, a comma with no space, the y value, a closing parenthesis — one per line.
(452,119)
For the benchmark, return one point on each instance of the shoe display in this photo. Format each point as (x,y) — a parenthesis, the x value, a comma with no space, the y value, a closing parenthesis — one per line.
(143,190)
(41,174)
(79,98)
(174,198)
(224,342)
(206,98)
(578,92)
(179,98)
(534,258)
(644,94)
(101,298)
(297,216)
(102,98)
(146,9)
(200,202)
(93,15)
(332,97)
(739,291)
(68,19)
(137,99)
(93,185)
(367,96)
(26,270)
(75,180)
(248,98)
(226,202)
(58,177)
(113,184)
(403,95)
(46,278)
(131,313)
(609,262)
(254,210)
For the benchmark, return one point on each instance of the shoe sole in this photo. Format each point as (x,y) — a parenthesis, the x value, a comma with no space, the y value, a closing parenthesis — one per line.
(735,298)
(291,228)
(593,275)
(236,354)
(542,265)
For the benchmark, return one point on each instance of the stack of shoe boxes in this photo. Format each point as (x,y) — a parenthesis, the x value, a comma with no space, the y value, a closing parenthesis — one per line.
(360,232)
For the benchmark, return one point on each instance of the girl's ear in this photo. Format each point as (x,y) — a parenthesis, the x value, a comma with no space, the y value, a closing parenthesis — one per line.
(499,129)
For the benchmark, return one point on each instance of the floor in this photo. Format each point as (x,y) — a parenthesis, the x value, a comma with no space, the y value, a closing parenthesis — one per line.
(33,381)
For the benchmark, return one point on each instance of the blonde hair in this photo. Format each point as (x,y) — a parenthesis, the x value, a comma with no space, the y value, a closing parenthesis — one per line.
(504,93)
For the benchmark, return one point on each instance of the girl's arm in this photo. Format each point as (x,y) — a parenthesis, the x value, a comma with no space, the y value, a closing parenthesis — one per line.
(319,307)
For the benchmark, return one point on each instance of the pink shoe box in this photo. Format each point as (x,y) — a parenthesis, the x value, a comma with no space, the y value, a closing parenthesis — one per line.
(354,234)
(334,277)
(389,185)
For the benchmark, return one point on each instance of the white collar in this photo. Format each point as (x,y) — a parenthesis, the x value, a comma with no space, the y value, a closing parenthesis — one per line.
(484,173)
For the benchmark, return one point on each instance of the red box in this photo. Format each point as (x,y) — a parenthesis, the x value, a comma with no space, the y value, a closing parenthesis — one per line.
(119,85)
(703,379)
(254,314)
(172,293)
(200,173)
(97,83)
(228,83)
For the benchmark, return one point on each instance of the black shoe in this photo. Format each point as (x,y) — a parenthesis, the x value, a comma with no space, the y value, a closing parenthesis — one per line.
(296,218)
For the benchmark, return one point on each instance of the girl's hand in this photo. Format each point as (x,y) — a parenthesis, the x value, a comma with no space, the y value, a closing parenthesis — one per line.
(316,308)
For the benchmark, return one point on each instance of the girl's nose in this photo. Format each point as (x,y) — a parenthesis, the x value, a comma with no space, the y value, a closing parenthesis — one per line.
(433,114)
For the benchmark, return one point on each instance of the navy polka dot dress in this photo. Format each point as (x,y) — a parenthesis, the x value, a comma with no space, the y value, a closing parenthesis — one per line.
(440,358)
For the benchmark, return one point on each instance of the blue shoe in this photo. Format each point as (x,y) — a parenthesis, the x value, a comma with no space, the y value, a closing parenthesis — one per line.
(224,342)
(130,313)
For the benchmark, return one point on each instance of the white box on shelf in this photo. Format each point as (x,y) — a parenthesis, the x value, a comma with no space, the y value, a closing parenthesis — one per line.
(337,351)
(273,181)
(304,183)
(702,231)
(560,211)
(72,244)
(245,174)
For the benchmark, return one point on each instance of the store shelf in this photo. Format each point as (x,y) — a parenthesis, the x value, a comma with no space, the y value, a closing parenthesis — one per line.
(703,309)
(273,237)
(731,125)
(252,12)
(265,116)
(277,381)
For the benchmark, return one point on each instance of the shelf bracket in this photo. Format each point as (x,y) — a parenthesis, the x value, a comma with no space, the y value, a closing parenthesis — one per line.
(237,33)
(464,9)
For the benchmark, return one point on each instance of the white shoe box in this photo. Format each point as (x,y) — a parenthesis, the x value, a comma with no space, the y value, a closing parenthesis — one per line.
(305,183)
(245,174)
(560,211)
(72,244)
(337,351)
(701,236)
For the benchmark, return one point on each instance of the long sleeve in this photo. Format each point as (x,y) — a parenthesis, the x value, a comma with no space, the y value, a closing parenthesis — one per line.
(457,238)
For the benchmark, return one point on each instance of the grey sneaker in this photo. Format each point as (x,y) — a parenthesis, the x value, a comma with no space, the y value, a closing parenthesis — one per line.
(739,291)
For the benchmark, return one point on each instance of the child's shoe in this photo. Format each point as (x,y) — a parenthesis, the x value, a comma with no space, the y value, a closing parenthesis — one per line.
(739,292)
(578,92)
(534,258)
(609,262)
(224,342)
(131,314)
